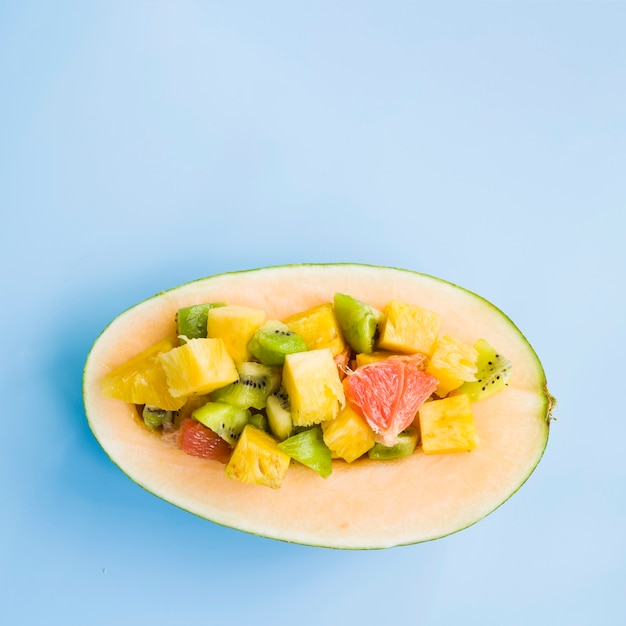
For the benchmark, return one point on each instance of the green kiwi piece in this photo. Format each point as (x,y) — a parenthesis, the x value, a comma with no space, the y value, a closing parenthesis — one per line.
(492,375)
(358,321)
(154,417)
(308,448)
(256,382)
(273,341)
(278,412)
(191,321)
(404,446)
(224,419)
(260,421)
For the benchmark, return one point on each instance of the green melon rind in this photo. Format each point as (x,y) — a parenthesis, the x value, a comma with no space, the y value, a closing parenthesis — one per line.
(545,414)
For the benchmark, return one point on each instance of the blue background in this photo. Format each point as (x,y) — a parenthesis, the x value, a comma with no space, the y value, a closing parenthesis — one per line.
(146,144)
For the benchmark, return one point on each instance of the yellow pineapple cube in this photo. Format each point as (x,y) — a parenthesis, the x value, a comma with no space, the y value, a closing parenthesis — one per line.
(452,363)
(381,355)
(312,382)
(198,366)
(348,436)
(447,425)
(141,380)
(378,355)
(257,459)
(319,328)
(235,325)
(409,328)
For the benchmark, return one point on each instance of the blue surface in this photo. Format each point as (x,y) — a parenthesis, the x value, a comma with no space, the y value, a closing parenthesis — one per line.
(146,144)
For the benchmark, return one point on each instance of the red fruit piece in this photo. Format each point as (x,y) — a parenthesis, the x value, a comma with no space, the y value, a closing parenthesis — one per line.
(198,440)
(388,394)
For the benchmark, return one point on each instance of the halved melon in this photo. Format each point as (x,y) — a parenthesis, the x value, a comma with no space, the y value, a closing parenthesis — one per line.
(365,504)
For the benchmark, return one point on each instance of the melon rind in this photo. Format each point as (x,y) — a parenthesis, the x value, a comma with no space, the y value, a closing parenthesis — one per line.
(365,504)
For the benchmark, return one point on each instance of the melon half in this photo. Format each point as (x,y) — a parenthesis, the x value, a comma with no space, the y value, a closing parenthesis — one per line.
(365,504)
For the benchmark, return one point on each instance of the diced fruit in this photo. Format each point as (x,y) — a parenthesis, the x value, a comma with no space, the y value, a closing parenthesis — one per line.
(272,341)
(193,402)
(260,421)
(452,363)
(223,419)
(348,436)
(257,459)
(409,328)
(388,394)
(141,380)
(154,417)
(447,425)
(378,355)
(198,440)
(312,383)
(251,390)
(279,414)
(358,322)
(191,320)
(308,448)
(198,366)
(235,325)
(492,375)
(318,326)
(405,446)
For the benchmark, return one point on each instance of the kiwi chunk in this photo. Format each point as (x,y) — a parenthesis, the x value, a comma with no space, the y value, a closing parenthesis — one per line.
(256,382)
(308,448)
(191,321)
(260,421)
(278,412)
(154,417)
(226,420)
(358,321)
(273,341)
(404,446)
(492,375)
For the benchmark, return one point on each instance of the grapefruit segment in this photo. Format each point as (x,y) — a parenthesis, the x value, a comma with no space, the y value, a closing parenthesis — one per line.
(196,439)
(388,394)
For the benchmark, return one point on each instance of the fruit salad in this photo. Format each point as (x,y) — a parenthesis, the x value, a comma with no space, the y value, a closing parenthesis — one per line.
(340,381)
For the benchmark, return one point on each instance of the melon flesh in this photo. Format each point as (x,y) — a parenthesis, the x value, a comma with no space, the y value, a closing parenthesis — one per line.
(365,504)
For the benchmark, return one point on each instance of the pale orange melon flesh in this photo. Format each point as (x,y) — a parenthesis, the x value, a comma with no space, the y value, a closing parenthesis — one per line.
(367,504)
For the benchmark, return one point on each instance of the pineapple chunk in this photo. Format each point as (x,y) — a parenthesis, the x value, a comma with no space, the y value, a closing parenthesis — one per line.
(378,355)
(312,382)
(447,425)
(141,380)
(348,436)
(198,366)
(408,328)
(452,363)
(235,325)
(418,359)
(319,328)
(257,459)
